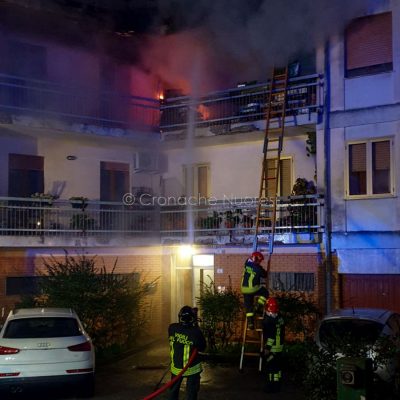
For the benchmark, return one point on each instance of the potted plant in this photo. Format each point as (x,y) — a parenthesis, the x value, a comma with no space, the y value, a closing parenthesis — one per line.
(79,202)
(232,218)
(44,198)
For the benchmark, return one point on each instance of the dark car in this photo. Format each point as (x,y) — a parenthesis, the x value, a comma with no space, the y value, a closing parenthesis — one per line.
(362,327)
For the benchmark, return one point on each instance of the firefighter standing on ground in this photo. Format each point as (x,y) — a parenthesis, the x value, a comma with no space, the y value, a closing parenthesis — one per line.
(184,337)
(274,334)
(251,286)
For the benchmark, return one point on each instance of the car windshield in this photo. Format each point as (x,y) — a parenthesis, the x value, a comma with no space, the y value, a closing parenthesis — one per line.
(339,332)
(46,327)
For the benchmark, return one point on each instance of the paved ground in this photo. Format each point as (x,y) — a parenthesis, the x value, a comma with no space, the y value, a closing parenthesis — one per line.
(136,377)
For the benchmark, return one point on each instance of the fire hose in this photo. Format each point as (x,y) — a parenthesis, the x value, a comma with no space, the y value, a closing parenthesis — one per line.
(172,381)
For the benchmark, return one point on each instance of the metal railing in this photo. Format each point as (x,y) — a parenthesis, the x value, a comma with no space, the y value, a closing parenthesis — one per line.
(75,105)
(34,217)
(242,104)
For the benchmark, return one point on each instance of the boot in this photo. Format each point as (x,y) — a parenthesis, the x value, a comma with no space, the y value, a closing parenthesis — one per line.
(250,323)
(259,309)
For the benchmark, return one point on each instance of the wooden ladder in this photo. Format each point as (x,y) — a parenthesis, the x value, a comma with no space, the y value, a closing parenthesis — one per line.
(275,114)
(252,336)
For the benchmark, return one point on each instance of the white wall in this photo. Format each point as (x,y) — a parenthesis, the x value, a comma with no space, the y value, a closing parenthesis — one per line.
(235,169)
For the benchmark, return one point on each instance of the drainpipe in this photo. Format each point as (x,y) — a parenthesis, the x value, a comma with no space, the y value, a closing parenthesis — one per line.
(327,178)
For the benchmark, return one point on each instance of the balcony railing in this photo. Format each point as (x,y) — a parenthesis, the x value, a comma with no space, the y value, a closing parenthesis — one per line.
(23,97)
(238,105)
(61,218)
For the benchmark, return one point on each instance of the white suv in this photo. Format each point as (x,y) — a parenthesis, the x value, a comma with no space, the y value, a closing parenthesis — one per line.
(45,346)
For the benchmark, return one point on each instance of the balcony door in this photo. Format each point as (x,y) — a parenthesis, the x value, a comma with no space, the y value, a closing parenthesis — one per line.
(114,181)
(25,175)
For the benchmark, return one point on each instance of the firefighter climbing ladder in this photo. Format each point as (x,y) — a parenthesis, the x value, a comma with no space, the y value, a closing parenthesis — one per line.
(273,142)
(267,200)
(256,339)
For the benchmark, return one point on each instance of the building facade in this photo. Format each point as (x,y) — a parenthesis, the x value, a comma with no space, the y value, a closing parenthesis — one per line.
(92,162)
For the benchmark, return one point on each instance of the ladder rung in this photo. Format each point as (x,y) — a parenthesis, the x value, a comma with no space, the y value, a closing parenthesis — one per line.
(277,76)
(274,139)
(252,354)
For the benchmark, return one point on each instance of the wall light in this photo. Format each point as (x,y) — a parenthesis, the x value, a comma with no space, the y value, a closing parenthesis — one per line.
(203,260)
(185,251)
(71,158)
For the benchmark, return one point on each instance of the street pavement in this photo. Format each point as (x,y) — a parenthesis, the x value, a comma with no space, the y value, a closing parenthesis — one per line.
(136,376)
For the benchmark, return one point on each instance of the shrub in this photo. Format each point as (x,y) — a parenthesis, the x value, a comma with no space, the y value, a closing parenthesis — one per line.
(219,314)
(111,306)
(300,314)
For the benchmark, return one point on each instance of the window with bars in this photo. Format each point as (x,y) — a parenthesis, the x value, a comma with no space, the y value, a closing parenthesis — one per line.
(369,46)
(369,168)
(292,281)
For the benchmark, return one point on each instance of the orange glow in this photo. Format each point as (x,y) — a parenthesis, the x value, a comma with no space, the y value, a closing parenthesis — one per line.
(204,111)
(161,96)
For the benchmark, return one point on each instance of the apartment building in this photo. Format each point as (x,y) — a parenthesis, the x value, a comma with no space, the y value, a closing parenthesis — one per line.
(363,130)
(81,127)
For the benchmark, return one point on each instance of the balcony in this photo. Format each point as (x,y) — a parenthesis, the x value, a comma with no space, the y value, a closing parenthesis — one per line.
(37,222)
(226,111)
(44,104)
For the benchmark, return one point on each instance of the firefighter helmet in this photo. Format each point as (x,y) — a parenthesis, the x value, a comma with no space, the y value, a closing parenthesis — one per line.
(257,256)
(187,316)
(271,306)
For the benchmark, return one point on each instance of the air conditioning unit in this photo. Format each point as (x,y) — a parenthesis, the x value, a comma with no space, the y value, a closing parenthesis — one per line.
(145,162)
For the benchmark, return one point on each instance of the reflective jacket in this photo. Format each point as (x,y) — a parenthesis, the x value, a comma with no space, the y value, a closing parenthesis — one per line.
(251,279)
(182,341)
(274,333)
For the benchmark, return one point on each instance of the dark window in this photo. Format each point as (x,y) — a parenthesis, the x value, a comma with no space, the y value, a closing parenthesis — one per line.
(358,169)
(46,327)
(22,285)
(369,45)
(114,181)
(292,281)
(25,175)
(27,60)
(29,285)
(369,168)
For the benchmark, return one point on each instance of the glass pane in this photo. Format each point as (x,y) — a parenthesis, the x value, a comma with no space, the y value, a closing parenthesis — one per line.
(357,169)
(25,328)
(341,332)
(381,167)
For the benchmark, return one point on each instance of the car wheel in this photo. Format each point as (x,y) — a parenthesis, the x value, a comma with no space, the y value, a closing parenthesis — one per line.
(87,388)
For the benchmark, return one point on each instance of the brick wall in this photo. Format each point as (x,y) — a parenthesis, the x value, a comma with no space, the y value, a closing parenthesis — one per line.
(151,267)
(232,268)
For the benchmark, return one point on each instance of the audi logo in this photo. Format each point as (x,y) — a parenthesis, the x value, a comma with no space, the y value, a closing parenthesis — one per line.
(43,345)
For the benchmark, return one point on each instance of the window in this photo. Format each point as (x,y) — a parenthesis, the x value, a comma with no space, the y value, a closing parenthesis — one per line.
(292,281)
(27,60)
(369,45)
(114,181)
(369,168)
(30,285)
(196,180)
(25,175)
(285,177)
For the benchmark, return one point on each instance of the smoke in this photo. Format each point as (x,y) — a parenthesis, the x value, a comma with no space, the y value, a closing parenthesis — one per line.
(242,39)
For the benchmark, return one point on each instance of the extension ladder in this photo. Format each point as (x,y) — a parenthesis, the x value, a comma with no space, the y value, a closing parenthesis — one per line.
(253,336)
(273,142)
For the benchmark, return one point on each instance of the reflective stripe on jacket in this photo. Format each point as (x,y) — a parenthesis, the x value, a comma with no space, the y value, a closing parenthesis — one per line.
(182,340)
(274,333)
(251,278)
